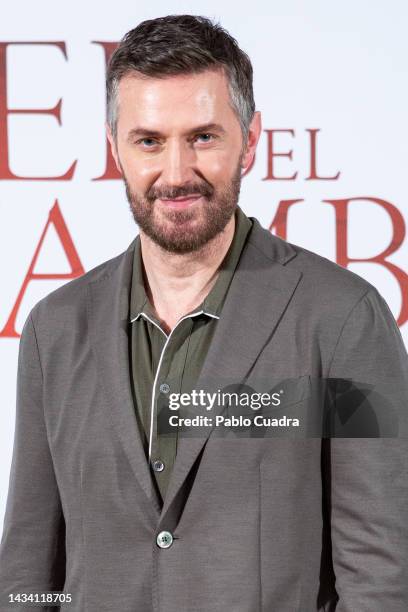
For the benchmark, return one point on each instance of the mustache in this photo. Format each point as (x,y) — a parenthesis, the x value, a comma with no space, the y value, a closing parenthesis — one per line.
(205,190)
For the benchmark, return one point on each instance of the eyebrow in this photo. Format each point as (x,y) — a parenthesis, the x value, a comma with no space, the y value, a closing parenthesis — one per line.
(206,127)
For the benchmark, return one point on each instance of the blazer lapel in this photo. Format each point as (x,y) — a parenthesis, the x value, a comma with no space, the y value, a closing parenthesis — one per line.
(258,295)
(108,312)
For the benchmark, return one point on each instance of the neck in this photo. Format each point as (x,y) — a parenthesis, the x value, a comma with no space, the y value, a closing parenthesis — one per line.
(178,283)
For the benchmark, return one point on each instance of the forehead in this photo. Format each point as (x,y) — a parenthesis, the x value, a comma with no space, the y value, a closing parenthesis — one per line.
(177,99)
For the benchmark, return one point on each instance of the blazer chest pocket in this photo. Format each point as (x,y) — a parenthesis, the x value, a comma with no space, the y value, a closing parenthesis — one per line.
(285,407)
(283,391)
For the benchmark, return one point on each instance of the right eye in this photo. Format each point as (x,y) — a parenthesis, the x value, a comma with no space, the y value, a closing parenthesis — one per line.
(148,142)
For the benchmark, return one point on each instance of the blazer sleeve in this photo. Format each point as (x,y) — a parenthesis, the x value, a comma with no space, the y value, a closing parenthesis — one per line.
(367,477)
(32,549)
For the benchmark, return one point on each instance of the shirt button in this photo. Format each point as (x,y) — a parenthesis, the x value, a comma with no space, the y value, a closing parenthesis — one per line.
(164,539)
(164,388)
(158,465)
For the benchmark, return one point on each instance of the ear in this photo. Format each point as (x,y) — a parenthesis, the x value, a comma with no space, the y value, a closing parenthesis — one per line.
(113,147)
(254,133)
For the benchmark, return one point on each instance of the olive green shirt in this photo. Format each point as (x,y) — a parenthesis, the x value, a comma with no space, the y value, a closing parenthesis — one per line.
(163,363)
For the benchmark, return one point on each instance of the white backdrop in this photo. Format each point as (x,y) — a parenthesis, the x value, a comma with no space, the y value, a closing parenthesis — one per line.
(340,68)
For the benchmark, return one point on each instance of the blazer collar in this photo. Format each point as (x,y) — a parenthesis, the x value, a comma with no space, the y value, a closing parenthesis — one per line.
(261,278)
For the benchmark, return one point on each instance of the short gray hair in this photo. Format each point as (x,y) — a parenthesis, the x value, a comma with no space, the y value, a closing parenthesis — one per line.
(182,44)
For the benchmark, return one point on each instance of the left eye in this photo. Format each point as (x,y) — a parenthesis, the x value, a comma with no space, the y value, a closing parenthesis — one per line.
(147,141)
(206,137)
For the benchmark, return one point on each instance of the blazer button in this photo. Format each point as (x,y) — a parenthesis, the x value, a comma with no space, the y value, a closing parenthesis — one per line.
(164,388)
(158,465)
(164,539)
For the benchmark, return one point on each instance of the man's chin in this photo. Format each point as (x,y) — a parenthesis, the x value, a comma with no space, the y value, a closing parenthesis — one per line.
(181,244)
(180,235)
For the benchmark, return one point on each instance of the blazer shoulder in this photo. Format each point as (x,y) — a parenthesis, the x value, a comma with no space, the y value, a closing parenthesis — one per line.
(332,289)
(329,273)
(72,295)
(323,281)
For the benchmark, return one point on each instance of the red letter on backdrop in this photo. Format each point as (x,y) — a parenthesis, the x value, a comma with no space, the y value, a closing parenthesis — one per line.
(280,221)
(313,162)
(342,258)
(271,154)
(55,217)
(111,171)
(5,172)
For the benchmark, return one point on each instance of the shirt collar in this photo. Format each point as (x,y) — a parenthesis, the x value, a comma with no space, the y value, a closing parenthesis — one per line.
(212,303)
(139,301)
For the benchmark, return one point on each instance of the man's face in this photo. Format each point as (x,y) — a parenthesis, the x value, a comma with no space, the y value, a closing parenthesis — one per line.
(180,150)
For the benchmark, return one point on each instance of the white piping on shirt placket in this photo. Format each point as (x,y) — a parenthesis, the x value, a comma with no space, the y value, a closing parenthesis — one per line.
(194,314)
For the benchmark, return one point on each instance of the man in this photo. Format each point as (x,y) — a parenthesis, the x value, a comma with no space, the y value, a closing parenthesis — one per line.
(108,501)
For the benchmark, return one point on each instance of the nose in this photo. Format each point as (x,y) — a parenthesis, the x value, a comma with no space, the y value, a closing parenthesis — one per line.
(178,163)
